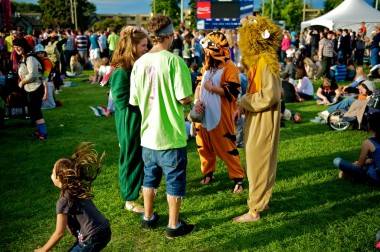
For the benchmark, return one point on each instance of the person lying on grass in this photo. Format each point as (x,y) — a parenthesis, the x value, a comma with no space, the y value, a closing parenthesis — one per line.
(368,165)
(75,209)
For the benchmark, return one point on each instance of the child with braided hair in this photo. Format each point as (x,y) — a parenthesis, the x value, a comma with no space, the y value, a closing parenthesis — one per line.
(75,209)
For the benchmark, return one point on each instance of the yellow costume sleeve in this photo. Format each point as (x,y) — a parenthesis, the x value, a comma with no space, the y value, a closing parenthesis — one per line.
(267,96)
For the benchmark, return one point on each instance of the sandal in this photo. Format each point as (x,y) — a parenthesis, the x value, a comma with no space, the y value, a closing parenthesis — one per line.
(134,207)
(247,217)
(238,187)
(208,178)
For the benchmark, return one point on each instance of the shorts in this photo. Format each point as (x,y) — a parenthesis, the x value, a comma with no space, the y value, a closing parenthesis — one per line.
(172,163)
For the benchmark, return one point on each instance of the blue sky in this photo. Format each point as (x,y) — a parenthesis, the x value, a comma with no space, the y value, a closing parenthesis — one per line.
(143,6)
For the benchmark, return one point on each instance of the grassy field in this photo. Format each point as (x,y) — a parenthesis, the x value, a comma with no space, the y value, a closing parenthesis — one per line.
(311,209)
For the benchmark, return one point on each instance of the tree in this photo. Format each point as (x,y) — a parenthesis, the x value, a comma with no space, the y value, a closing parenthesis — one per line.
(57,13)
(115,23)
(193,13)
(168,8)
(288,10)
(331,4)
(25,7)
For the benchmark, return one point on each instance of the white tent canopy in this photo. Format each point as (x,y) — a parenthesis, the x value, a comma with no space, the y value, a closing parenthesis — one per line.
(349,14)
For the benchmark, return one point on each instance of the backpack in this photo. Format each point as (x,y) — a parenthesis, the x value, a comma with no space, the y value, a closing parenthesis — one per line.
(52,52)
(45,67)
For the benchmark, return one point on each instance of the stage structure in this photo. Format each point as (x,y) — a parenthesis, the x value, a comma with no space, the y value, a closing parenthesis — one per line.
(216,14)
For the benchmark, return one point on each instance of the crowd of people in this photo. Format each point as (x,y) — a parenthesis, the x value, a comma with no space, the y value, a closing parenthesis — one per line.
(241,81)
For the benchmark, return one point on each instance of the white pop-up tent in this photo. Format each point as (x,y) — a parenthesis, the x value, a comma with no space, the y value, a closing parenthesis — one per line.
(349,14)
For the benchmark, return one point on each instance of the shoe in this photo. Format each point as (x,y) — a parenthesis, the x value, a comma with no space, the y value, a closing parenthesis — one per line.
(152,223)
(96,111)
(317,119)
(102,110)
(134,207)
(181,230)
(324,114)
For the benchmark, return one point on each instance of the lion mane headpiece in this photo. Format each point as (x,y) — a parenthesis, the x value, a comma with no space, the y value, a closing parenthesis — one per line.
(259,38)
(216,46)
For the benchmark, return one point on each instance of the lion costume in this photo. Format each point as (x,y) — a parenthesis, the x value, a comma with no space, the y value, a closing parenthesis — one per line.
(216,135)
(259,40)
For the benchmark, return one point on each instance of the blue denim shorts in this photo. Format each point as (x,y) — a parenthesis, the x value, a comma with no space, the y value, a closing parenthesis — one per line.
(172,163)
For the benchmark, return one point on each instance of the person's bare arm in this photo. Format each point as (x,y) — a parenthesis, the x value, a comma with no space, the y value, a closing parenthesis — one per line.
(57,235)
(366,146)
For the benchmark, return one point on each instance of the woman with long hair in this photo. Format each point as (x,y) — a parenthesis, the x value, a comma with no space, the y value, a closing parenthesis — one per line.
(30,73)
(133,43)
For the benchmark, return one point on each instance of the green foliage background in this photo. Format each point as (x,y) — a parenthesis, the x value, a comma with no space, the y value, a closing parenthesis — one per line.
(56,13)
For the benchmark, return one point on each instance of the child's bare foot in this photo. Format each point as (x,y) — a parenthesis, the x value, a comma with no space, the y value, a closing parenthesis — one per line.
(247,217)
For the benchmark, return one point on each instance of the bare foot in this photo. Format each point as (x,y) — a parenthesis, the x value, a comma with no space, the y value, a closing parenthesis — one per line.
(247,217)
(207,179)
(238,188)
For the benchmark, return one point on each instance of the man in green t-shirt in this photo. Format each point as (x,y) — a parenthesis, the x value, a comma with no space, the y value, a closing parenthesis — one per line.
(160,86)
(112,40)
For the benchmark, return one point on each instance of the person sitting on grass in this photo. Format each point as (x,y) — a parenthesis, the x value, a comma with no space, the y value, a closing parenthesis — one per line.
(304,86)
(351,71)
(75,66)
(339,71)
(365,89)
(95,78)
(328,92)
(367,167)
(359,78)
(104,70)
(75,209)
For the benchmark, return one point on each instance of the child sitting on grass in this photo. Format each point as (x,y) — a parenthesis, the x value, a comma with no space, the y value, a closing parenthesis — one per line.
(75,209)
(104,72)
(368,165)
(75,66)
(95,78)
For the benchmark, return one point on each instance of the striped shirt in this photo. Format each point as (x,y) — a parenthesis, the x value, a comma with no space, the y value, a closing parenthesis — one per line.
(81,41)
(326,48)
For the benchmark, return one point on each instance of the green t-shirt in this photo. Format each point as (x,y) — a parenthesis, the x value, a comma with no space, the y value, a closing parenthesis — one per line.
(112,40)
(158,81)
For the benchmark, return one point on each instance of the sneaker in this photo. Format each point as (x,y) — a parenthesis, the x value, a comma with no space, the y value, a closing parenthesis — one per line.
(152,223)
(183,229)
(317,119)
(324,114)
(96,111)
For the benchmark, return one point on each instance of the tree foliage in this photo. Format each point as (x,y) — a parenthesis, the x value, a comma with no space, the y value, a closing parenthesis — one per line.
(193,13)
(288,10)
(56,13)
(331,4)
(25,7)
(115,23)
(169,8)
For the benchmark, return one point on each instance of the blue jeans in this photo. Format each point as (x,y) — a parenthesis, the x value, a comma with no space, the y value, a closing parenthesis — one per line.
(374,56)
(367,172)
(95,243)
(343,104)
(172,163)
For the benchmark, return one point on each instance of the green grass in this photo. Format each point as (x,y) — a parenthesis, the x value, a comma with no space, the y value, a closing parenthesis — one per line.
(311,209)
